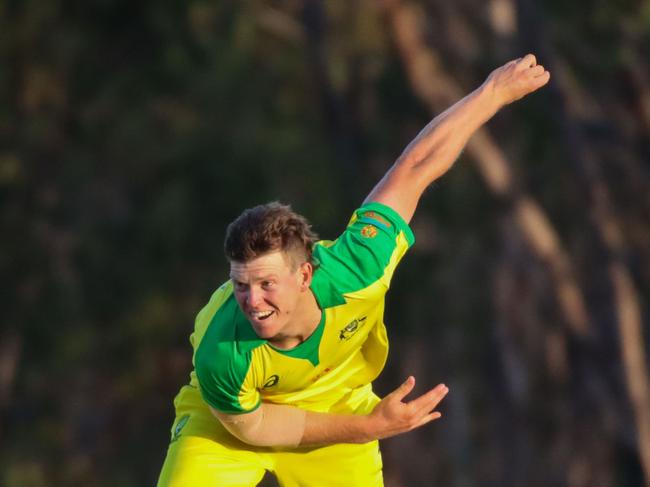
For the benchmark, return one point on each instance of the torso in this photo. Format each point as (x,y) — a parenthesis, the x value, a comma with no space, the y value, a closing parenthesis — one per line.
(332,369)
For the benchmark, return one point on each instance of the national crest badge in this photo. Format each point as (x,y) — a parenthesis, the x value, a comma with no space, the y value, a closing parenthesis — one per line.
(369,231)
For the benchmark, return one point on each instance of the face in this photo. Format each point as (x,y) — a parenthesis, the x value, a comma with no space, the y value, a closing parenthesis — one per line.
(269,291)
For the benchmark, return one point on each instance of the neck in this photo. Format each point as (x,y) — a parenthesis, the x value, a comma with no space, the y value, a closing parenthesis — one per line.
(304,322)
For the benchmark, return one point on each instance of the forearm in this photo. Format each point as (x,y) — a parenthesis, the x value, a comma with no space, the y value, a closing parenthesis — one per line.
(288,426)
(433,151)
(439,143)
(327,428)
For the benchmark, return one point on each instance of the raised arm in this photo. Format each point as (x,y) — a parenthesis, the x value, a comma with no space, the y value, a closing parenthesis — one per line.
(438,145)
(288,426)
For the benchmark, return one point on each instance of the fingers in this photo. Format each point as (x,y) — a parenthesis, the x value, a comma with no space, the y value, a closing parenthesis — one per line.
(528,61)
(428,418)
(404,388)
(542,80)
(537,70)
(536,73)
(395,416)
(428,401)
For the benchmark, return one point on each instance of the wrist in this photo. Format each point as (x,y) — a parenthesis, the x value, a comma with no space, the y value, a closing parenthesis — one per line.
(490,97)
(367,428)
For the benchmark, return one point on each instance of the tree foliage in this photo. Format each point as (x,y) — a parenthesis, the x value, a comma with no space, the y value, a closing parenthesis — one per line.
(133,132)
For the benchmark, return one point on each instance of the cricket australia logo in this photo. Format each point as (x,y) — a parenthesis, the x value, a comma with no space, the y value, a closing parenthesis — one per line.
(351,328)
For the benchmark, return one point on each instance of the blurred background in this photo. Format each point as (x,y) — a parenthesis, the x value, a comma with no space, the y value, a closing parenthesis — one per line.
(131,133)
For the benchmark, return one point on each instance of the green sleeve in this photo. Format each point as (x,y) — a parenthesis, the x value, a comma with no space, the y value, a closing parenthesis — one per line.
(368,250)
(223,363)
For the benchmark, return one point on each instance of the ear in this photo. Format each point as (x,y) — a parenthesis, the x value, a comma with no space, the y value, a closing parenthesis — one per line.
(305,272)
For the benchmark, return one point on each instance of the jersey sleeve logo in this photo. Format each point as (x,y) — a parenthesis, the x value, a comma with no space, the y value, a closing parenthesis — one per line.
(378,217)
(271,381)
(351,328)
(369,231)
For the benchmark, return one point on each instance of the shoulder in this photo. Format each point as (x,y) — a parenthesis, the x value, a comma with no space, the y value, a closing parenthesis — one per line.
(374,218)
(224,355)
(374,228)
(228,338)
(369,249)
(217,305)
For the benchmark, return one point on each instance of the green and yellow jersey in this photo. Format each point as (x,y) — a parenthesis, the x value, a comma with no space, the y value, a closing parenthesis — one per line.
(332,370)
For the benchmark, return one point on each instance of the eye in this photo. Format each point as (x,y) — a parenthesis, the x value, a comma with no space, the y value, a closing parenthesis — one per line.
(267,284)
(240,286)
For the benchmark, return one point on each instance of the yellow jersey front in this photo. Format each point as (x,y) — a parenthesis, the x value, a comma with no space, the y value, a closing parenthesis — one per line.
(333,369)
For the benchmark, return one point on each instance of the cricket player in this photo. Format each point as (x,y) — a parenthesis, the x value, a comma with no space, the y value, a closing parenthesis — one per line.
(286,350)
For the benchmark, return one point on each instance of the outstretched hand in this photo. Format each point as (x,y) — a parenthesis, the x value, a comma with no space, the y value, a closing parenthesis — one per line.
(393,416)
(516,79)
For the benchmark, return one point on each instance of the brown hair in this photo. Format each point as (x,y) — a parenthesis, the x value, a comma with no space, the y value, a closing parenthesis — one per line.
(267,228)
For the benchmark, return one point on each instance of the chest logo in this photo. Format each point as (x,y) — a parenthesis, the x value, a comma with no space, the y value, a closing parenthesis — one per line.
(271,381)
(351,328)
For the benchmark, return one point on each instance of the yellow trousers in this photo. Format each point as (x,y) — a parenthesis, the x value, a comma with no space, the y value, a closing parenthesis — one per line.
(202,453)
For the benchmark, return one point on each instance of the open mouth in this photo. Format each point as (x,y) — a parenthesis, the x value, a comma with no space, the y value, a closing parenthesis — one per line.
(261,315)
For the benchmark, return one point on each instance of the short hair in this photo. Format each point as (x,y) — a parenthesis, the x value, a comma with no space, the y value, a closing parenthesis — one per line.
(268,228)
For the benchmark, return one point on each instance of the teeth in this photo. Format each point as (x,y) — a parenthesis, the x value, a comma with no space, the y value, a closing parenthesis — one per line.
(261,314)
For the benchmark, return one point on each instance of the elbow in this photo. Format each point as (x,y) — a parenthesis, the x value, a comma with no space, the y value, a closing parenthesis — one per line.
(255,436)
(251,434)
(244,427)
(247,433)
(279,426)
(261,438)
(250,438)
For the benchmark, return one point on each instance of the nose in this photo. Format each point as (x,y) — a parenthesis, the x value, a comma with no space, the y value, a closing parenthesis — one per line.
(254,297)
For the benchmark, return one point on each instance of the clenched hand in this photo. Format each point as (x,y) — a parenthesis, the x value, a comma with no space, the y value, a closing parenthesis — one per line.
(516,79)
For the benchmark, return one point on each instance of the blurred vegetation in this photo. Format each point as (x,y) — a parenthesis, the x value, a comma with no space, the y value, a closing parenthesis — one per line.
(131,133)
